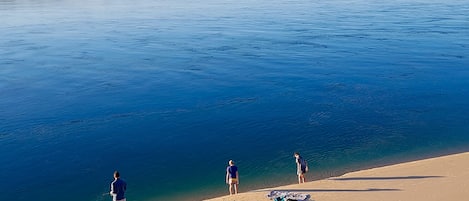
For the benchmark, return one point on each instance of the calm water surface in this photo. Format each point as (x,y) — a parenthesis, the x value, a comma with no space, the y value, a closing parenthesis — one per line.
(168,91)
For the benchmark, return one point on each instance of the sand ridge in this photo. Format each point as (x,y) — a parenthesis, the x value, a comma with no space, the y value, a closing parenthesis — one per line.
(443,178)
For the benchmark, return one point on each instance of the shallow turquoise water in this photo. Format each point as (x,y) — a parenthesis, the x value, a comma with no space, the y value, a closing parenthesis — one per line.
(168,91)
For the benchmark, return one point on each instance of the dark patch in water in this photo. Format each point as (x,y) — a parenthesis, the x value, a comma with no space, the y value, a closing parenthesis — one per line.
(224,48)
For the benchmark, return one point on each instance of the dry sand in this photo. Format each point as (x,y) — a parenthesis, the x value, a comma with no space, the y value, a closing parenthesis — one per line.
(437,179)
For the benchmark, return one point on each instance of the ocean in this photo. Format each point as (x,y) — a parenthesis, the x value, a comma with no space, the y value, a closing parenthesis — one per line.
(167,91)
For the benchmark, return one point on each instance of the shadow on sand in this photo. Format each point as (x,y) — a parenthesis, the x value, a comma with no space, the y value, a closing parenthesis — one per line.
(355,190)
(331,190)
(384,178)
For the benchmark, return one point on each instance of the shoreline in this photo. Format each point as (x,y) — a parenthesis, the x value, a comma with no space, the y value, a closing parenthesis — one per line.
(438,178)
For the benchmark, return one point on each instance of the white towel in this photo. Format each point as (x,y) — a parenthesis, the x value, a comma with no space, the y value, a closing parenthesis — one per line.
(286,195)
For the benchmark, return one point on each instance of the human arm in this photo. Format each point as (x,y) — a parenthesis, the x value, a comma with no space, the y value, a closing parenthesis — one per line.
(298,164)
(237,177)
(227,176)
(112,192)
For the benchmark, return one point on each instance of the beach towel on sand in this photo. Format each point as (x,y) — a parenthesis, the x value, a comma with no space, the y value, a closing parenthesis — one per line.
(288,196)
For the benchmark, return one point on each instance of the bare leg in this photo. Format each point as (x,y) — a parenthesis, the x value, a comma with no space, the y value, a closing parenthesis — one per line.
(235,188)
(231,189)
(301,178)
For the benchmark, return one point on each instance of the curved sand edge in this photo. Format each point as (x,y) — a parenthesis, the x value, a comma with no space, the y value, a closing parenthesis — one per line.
(435,179)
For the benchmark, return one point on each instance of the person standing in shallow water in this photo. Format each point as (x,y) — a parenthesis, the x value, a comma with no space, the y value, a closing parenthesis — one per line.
(118,188)
(301,167)
(232,177)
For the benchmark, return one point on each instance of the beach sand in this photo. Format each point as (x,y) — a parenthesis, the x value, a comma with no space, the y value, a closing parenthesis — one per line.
(437,179)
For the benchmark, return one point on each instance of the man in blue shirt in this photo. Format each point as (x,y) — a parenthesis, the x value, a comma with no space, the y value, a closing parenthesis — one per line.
(118,187)
(232,177)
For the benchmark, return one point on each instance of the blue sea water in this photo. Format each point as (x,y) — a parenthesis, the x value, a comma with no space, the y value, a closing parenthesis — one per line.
(168,91)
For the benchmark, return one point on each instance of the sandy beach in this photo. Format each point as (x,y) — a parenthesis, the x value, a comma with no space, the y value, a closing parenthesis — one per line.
(443,178)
